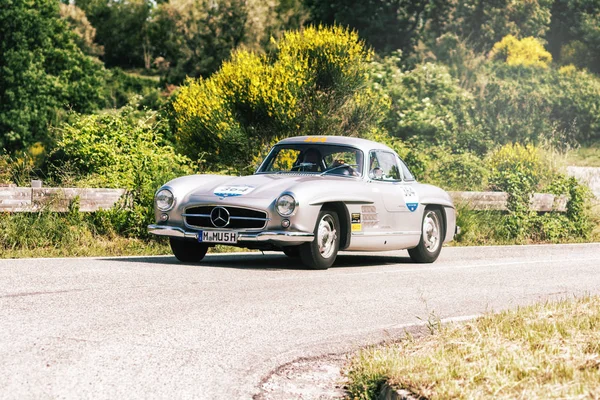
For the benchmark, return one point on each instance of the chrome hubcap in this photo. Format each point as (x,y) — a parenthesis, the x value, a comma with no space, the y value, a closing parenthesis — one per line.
(431,231)
(326,236)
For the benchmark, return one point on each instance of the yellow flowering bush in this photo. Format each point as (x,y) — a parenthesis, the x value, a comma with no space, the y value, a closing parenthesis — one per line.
(528,51)
(313,83)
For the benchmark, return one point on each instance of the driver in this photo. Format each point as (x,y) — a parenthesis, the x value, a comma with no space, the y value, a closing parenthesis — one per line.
(312,156)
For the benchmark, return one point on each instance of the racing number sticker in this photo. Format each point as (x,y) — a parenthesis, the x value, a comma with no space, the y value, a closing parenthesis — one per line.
(411,198)
(230,191)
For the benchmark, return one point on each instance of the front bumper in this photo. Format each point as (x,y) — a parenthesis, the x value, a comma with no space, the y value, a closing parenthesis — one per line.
(265,236)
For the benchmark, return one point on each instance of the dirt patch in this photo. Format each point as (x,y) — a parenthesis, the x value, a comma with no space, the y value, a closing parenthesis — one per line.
(318,378)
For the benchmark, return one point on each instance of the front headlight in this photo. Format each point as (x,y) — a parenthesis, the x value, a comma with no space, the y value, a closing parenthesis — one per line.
(286,204)
(164,200)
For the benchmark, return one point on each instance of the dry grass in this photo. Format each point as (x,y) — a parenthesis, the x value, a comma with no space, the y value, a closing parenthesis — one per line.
(585,156)
(546,351)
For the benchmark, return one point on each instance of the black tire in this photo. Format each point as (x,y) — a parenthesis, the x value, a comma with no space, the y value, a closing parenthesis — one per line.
(432,237)
(188,250)
(291,251)
(321,252)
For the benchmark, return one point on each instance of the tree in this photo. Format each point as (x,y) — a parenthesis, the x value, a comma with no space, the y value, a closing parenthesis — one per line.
(574,36)
(122,29)
(42,72)
(485,22)
(387,25)
(86,33)
(195,36)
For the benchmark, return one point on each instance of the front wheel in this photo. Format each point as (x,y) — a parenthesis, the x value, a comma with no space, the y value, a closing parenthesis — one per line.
(322,251)
(188,250)
(432,237)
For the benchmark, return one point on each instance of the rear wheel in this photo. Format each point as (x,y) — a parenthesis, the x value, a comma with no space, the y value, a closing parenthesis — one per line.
(322,251)
(188,250)
(432,237)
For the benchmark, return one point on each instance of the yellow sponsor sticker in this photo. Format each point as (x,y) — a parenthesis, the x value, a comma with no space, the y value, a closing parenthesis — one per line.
(315,139)
(356,227)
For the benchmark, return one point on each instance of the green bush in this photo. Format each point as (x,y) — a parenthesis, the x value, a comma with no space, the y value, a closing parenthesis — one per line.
(517,170)
(427,104)
(121,150)
(523,170)
(537,105)
(121,87)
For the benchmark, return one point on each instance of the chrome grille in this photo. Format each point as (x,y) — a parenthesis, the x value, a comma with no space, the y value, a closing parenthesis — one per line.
(239,218)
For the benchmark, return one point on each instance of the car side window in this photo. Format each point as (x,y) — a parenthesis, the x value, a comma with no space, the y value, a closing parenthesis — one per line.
(408,176)
(383,166)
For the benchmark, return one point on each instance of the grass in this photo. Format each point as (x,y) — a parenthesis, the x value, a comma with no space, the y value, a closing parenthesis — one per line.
(48,234)
(585,156)
(92,247)
(485,228)
(545,351)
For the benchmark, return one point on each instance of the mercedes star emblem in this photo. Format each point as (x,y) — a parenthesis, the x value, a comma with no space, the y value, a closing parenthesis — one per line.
(219,217)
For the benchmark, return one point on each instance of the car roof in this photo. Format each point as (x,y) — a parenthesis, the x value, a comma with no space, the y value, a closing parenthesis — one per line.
(362,144)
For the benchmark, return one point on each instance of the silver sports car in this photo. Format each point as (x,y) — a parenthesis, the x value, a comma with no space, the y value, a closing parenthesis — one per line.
(311,197)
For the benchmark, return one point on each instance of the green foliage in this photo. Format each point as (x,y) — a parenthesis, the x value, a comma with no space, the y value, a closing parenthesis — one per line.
(121,150)
(528,52)
(49,234)
(521,171)
(516,170)
(427,104)
(43,72)
(312,84)
(122,29)
(194,37)
(574,36)
(528,104)
(115,149)
(122,87)
(21,167)
(484,23)
(83,29)
(386,25)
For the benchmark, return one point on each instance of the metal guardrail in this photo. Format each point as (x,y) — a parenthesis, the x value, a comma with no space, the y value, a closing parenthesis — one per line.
(32,199)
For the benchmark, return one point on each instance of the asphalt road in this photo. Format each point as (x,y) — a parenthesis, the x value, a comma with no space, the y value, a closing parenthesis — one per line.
(154,328)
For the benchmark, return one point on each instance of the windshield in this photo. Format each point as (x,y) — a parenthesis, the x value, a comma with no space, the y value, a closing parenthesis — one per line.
(314,159)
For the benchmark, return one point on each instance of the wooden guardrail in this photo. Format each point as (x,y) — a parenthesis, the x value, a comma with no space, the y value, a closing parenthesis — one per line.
(541,202)
(30,199)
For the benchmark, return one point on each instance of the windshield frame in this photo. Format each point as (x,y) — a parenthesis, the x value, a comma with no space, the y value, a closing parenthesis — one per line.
(326,149)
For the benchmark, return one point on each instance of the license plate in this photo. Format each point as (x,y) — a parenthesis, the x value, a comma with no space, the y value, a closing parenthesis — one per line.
(217,237)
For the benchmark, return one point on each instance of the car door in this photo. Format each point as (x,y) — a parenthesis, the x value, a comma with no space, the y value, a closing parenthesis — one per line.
(399,196)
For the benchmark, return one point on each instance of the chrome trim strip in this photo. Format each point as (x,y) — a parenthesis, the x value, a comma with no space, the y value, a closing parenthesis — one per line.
(276,236)
(399,233)
(251,218)
(223,205)
(244,218)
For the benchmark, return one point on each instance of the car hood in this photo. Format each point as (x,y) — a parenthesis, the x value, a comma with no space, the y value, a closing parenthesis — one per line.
(261,186)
